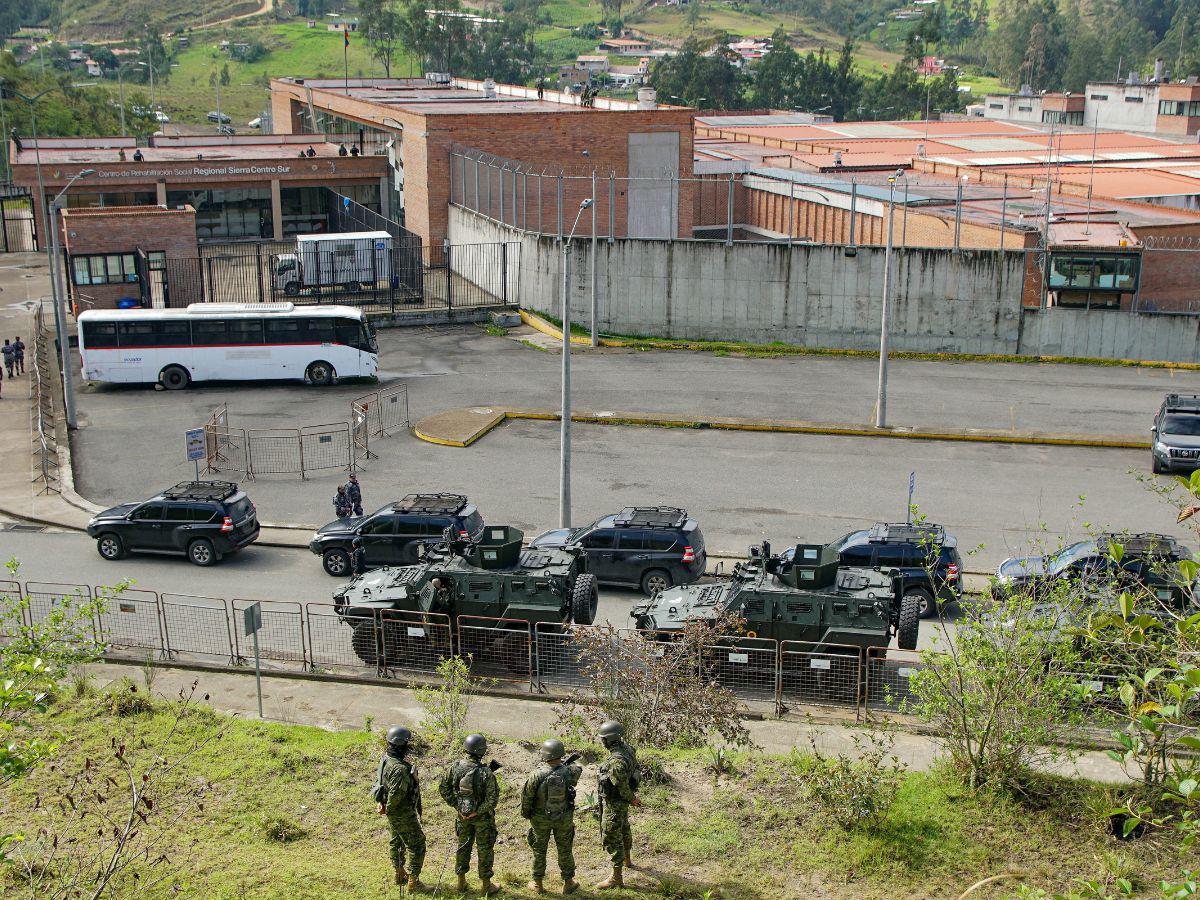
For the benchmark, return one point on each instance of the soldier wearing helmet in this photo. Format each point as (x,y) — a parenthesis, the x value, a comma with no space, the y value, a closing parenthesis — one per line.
(398,793)
(548,802)
(619,781)
(471,788)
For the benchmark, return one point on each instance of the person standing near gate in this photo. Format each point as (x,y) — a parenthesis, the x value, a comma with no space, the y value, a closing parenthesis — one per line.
(10,356)
(471,788)
(619,781)
(341,503)
(358,558)
(19,348)
(398,793)
(548,802)
(354,493)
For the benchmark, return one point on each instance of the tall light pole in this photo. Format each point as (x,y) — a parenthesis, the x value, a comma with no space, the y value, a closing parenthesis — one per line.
(60,295)
(564,474)
(150,67)
(37,158)
(881,400)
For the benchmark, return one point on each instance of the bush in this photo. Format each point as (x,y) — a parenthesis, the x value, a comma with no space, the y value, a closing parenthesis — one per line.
(123,699)
(281,829)
(856,790)
(446,705)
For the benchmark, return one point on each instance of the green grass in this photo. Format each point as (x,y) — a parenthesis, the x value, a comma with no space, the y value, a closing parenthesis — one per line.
(114,18)
(290,817)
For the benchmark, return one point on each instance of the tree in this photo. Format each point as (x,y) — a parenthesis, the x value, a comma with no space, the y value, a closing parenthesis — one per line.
(225,79)
(379,24)
(705,80)
(776,74)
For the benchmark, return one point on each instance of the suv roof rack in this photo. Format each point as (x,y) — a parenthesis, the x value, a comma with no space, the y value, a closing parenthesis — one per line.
(444,504)
(903,533)
(652,516)
(1145,544)
(1183,402)
(201,490)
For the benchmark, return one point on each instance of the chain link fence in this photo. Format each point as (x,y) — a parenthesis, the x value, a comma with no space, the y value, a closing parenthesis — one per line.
(44,423)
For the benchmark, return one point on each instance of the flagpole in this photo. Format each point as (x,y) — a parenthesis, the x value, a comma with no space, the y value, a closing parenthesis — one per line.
(346,57)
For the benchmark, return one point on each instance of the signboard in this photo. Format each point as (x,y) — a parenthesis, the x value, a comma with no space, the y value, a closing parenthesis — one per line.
(252,619)
(194,441)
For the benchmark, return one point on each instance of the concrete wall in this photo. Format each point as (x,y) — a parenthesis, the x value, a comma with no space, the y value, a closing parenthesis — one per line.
(817,296)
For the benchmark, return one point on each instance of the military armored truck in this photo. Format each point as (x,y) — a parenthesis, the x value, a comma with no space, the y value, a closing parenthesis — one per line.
(492,577)
(800,596)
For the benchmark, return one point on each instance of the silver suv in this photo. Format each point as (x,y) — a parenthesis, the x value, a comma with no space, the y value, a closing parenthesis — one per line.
(1175,435)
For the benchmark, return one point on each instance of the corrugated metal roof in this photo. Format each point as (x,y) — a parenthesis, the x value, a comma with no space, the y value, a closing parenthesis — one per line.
(992,144)
(735,121)
(868,191)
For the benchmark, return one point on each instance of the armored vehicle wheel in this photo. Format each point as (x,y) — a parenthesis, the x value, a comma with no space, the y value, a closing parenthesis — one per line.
(910,622)
(365,643)
(585,599)
(929,606)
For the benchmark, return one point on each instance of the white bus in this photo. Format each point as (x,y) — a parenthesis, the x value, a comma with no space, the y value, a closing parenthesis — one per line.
(226,342)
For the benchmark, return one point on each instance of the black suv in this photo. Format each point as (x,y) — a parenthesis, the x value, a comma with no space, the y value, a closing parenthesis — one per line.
(649,547)
(1175,435)
(204,519)
(391,536)
(924,554)
(1149,561)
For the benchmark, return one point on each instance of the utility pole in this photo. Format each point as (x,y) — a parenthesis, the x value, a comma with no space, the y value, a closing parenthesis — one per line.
(564,473)
(60,296)
(881,399)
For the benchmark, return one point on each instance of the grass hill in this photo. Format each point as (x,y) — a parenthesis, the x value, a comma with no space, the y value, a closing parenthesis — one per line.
(112,19)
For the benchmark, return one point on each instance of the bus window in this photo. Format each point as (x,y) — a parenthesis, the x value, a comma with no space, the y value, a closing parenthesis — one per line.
(99,334)
(318,330)
(245,331)
(153,334)
(351,333)
(207,331)
(283,331)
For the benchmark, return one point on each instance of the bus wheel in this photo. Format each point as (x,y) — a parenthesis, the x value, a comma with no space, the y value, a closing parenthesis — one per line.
(292,289)
(174,378)
(319,372)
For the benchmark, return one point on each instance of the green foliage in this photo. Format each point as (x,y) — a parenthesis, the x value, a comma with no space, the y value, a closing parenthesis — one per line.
(448,42)
(445,706)
(855,790)
(280,829)
(61,109)
(708,82)
(124,699)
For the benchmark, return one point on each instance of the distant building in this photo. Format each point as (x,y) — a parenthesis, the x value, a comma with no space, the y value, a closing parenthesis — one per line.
(625,46)
(592,63)
(931,65)
(94,68)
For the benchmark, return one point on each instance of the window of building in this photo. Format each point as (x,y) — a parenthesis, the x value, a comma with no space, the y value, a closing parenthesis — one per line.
(1024,109)
(1134,99)
(995,106)
(1110,272)
(1179,107)
(1064,118)
(1101,97)
(107,268)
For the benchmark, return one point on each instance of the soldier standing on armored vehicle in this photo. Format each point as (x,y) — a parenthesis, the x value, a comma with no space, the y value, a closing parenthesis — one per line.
(398,793)
(619,782)
(471,788)
(548,802)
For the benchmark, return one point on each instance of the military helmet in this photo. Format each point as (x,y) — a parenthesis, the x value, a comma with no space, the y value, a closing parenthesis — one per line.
(357,542)
(475,744)
(399,735)
(611,729)
(552,749)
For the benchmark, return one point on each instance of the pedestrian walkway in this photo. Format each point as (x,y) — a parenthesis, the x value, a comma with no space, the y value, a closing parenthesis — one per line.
(336,705)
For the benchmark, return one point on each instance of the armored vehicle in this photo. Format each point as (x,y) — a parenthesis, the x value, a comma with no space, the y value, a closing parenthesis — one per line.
(492,576)
(800,596)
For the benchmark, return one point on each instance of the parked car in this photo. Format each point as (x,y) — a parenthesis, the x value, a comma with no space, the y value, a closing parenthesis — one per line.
(649,547)
(205,520)
(924,555)
(161,117)
(392,535)
(256,122)
(1147,561)
(219,118)
(226,130)
(1175,444)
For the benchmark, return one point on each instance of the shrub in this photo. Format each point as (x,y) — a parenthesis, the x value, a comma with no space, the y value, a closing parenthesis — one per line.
(281,829)
(856,790)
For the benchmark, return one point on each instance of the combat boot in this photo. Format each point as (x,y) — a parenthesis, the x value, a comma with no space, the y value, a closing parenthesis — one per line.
(401,875)
(417,886)
(535,886)
(613,881)
(488,888)
(629,862)
(570,885)
(462,884)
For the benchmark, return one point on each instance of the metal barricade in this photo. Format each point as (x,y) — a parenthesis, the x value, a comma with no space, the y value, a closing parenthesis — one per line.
(325,447)
(413,641)
(1101,703)
(820,675)
(495,647)
(281,637)
(13,612)
(273,451)
(393,409)
(130,621)
(889,673)
(556,657)
(360,433)
(196,625)
(341,642)
(45,596)
(745,666)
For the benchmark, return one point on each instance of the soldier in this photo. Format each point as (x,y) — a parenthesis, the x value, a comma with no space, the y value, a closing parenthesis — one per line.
(398,793)
(443,600)
(358,557)
(619,781)
(471,788)
(354,494)
(548,802)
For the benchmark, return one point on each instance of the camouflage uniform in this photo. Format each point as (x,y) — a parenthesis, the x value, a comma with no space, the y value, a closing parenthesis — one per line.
(543,824)
(402,805)
(618,786)
(479,830)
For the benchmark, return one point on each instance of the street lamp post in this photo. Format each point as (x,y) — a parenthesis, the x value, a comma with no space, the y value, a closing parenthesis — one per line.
(881,400)
(60,295)
(564,475)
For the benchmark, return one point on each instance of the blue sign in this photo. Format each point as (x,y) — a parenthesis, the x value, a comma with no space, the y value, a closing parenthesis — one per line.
(912,482)
(346,202)
(194,440)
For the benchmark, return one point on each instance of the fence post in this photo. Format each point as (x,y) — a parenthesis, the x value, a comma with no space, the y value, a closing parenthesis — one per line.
(489,191)
(524,201)
(502,168)
(449,277)
(560,208)
(513,205)
(477,184)
(541,176)
(504,273)
(300,444)
(612,205)
(853,209)
(729,214)
(259,271)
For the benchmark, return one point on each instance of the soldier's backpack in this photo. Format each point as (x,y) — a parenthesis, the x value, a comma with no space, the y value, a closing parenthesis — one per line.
(558,794)
(465,790)
(635,771)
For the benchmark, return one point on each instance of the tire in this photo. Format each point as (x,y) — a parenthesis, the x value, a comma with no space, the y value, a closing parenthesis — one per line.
(910,621)
(336,563)
(928,606)
(1155,465)
(110,546)
(174,378)
(201,552)
(292,289)
(655,580)
(585,600)
(320,372)
(365,643)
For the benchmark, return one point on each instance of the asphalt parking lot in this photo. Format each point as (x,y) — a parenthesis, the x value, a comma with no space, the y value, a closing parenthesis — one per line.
(742,486)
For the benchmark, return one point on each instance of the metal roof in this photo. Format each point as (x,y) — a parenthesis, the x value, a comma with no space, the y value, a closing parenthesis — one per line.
(735,121)
(867,191)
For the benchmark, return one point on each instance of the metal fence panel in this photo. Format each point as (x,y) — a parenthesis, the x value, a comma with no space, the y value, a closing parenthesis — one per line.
(745,666)
(17,229)
(343,642)
(273,451)
(281,637)
(325,447)
(393,409)
(557,656)
(197,625)
(131,621)
(820,675)
(888,678)
(414,641)
(10,599)
(46,596)
(496,648)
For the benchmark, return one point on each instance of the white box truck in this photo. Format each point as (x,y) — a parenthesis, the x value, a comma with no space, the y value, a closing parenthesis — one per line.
(352,261)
